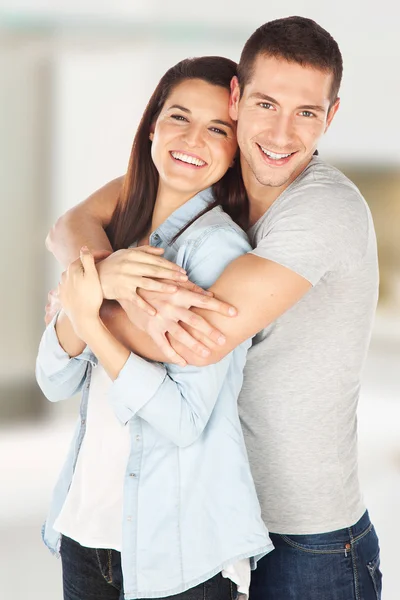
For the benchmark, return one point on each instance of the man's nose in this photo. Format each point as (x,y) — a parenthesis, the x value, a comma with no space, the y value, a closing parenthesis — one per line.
(281,133)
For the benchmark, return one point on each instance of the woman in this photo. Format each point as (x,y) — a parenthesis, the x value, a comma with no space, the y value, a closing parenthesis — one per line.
(156,497)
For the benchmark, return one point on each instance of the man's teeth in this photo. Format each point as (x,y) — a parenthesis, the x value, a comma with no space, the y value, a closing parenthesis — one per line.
(188,159)
(273,155)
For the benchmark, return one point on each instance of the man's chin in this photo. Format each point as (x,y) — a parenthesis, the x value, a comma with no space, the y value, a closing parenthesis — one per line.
(274,180)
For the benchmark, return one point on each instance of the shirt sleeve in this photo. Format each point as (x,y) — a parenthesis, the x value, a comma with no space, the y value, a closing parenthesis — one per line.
(177,401)
(59,376)
(317,230)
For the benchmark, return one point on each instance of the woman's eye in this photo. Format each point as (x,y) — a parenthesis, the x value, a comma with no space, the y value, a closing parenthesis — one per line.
(219,131)
(178,117)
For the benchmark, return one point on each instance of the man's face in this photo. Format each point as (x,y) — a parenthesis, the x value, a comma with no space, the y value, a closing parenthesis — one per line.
(282,114)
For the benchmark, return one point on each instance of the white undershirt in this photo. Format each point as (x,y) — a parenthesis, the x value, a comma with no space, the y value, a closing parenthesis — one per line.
(92,512)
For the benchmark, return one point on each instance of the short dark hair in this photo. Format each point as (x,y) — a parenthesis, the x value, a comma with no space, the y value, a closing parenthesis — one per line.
(295,39)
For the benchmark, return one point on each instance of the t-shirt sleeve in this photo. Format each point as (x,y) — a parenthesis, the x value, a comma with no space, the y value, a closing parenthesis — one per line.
(316,230)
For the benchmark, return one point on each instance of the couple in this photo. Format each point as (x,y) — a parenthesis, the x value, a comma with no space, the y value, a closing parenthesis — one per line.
(156,498)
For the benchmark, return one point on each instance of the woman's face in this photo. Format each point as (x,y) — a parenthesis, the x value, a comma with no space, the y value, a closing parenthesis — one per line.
(194,138)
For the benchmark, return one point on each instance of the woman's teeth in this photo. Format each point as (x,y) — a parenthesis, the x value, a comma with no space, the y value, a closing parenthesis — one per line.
(191,160)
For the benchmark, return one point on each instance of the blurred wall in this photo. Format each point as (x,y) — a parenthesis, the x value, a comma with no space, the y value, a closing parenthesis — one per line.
(75,80)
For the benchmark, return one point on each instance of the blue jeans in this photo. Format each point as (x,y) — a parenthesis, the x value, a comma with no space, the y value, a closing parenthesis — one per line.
(90,574)
(339,565)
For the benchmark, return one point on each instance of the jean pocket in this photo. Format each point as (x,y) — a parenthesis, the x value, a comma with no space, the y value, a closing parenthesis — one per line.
(105,565)
(302,543)
(374,570)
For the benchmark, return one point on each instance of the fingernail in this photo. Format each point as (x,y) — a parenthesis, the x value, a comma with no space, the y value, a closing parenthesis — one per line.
(172,288)
(182,270)
(221,340)
(232,311)
(183,277)
(205,352)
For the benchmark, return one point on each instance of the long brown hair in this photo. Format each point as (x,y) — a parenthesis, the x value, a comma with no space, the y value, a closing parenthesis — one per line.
(132,217)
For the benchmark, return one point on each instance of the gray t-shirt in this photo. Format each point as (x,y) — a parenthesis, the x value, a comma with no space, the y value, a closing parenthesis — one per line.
(302,379)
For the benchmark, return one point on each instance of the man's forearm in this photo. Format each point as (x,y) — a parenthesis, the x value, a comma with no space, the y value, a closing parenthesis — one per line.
(71,232)
(84,224)
(134,339)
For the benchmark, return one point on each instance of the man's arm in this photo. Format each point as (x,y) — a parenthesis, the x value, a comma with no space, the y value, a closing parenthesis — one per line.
(84,224)
(260,289)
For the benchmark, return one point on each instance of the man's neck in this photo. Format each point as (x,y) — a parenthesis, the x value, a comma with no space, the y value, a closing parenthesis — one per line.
(261,197)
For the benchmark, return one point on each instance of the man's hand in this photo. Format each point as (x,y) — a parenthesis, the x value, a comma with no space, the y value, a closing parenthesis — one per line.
(174,317)
(52,307)
(124,271)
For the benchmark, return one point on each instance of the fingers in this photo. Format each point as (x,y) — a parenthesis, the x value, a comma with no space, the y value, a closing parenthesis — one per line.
(184,337)
(157,272)
(144,254)
(143,305)
(170,355)
(192,287)
(212,303)
(201,325)
(145,283)
(87,261)
(150,249)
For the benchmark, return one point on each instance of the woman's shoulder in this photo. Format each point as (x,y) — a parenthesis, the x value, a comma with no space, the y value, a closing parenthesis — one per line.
(214,222)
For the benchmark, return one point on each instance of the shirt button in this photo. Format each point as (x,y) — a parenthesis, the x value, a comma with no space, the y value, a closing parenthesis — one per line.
(156,237)
(83,421)
(132,474)
(129,518)
(138,438)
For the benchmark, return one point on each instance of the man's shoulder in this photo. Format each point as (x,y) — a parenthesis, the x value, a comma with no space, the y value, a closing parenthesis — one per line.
(324,177)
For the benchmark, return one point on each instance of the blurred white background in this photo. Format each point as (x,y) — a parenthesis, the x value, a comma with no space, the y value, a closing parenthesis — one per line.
(75,78)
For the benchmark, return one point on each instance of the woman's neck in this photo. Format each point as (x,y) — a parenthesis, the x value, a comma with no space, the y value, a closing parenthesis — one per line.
(167,202)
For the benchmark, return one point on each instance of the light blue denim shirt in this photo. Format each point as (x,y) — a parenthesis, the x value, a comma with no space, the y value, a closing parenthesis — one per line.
(184,426)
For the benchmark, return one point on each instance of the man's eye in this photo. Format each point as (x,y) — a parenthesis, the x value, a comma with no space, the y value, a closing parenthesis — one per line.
(307,113)
(219,131)
(178,117)
(266,105)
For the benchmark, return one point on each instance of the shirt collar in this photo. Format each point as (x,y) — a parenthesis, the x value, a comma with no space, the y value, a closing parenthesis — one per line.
(181,216)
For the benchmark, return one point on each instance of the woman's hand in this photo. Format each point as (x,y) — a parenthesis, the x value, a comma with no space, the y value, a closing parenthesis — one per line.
(122,273)
(80,292)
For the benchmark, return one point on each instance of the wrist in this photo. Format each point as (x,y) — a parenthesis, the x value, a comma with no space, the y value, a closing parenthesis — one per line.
(107,293)
(85,328)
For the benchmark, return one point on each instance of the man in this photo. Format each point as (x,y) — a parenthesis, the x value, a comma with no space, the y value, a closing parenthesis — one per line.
(309,287)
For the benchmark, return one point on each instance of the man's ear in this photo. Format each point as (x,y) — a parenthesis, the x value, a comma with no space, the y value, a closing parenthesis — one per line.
(332,112)
(234,99)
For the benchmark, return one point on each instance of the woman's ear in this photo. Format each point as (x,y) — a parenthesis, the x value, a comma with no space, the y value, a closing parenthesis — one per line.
(151,136)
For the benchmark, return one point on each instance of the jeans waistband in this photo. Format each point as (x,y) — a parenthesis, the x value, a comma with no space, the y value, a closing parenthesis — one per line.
(337,536)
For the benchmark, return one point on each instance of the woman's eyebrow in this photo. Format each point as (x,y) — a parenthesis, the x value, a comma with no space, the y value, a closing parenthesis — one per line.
(180,108)
(220,122)
(186,110)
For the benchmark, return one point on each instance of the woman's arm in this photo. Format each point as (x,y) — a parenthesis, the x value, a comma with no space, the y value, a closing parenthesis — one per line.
(59,375)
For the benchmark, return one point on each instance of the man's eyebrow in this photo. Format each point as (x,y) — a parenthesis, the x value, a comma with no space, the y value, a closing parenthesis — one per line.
(260,96)
(186,110)
(315,107)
